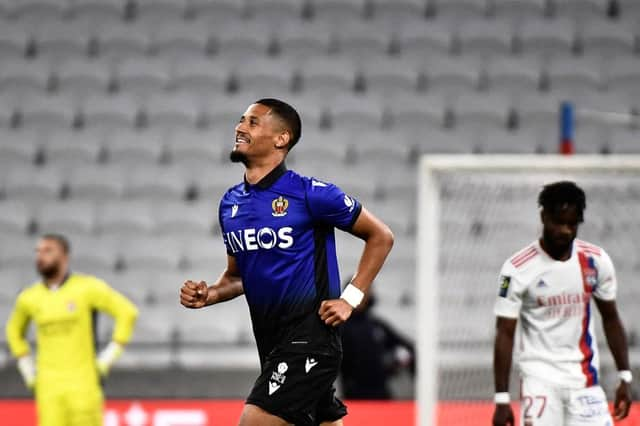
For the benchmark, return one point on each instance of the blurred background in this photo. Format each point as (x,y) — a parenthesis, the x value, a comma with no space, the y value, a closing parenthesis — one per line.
(117,116)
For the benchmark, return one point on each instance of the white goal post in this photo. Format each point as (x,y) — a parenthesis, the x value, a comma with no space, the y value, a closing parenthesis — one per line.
(535,170)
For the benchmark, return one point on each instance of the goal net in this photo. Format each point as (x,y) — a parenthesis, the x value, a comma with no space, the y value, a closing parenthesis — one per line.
(474,212)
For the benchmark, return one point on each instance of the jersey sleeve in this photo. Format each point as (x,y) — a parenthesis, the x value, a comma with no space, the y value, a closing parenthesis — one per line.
(106,299)
(510,292)
(607,281)
(330,205)
(17,327)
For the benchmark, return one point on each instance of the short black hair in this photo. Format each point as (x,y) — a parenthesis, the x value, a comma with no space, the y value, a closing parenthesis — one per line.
(559,195)
(60,239)
(286,113)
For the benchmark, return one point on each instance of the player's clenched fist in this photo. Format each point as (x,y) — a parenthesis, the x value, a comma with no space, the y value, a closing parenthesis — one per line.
(503,416)
(335,312)
(193,295)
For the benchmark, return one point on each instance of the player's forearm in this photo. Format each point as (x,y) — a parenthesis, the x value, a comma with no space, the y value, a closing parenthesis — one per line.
(376,249)
(226,288)
(502,357)
(617,341)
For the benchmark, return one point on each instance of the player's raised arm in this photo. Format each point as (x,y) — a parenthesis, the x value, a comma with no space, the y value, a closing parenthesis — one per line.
(378,243)
(18,345)
(228,286)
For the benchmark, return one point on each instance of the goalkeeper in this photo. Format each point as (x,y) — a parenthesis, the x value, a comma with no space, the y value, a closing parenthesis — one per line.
(66,374)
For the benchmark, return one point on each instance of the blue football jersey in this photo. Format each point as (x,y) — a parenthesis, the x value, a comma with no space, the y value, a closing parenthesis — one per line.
(281,233)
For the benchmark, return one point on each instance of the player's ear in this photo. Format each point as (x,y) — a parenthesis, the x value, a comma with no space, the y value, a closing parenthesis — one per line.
(282,140)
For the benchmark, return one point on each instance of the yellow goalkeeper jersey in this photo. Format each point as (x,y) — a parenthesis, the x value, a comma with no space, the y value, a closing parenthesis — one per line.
(64,320)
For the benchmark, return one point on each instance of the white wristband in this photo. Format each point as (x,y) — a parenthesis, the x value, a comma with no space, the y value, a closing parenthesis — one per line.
(352,295)
(625,376)
(502,398)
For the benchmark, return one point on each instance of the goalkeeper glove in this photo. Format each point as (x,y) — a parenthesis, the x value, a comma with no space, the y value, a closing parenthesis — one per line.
(27,369)
(108,356)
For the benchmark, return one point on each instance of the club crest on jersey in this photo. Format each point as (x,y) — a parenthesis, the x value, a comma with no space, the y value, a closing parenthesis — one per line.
(279,206)
(71,306)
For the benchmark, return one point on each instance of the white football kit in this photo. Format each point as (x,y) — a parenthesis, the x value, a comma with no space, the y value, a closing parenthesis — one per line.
(558,360)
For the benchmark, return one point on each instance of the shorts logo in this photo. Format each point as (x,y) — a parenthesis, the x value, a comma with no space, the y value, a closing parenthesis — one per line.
(505,281)
(309,364)
(278,378)
(279,206)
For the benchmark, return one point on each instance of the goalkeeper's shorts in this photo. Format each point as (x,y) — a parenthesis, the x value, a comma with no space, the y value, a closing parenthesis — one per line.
(69,405)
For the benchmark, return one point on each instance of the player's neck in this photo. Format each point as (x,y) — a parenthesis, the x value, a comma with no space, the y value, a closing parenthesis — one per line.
(257,170)
(57,280)
(555,253)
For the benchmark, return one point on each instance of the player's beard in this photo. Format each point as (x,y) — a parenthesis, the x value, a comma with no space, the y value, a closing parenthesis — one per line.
(48,272)
(238,157)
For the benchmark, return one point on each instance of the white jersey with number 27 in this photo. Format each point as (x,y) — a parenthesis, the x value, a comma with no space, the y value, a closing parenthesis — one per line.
(551,300)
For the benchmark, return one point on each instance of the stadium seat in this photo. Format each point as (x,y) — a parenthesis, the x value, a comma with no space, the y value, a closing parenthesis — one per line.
(97,11)
(181,39)
(475,111)
(486,38)
(136,285)
(98,183)
(547,37)
(337,12)
(389,76)
(33,184)
(572,76)
(7,114)
(16,219)
(181,220)
(66,217)
(624,140)
(218,11)
(67,149)
(310,109)
(92,254)
(220,325)
(303,40)
(449,76)
(56,41)
(18,148)
(241,42)
(456,10)
(206,252)
(361,40)
(13,281)
(519,10)
(398,11)
(110,112)
(156,183)
(253,75)
(142,76)
(419,39)
(375,150)
(119,41)
(606,39)
(20,78)
(160,11)
(327,77)
(623,77)
(48,112)
(211,183)
(320,147)
(435,140)
(275,12)
(415,112)
(155,325)
(35,12)
(203,78)
(503,141)
(355,112)
(17,253)
(512,76)
(195,149)
(82,77)
(536,110)
(580,9)
(151,253)
(14,39)
(125,218)
(172,111)
(134,148)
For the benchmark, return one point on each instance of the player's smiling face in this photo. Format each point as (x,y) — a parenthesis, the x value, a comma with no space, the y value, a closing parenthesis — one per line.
(560,228)
(258,134)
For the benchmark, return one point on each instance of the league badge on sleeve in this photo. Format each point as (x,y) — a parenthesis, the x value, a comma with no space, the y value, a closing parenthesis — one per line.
(505,281)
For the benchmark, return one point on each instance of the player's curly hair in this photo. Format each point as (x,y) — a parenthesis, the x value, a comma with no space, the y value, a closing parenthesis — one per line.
(557,196)
(288,115)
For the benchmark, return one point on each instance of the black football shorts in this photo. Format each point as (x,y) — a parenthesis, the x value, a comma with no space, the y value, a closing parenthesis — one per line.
(298,388)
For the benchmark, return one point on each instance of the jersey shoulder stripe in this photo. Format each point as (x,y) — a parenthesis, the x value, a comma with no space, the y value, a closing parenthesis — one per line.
(588,247)
(524,256)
